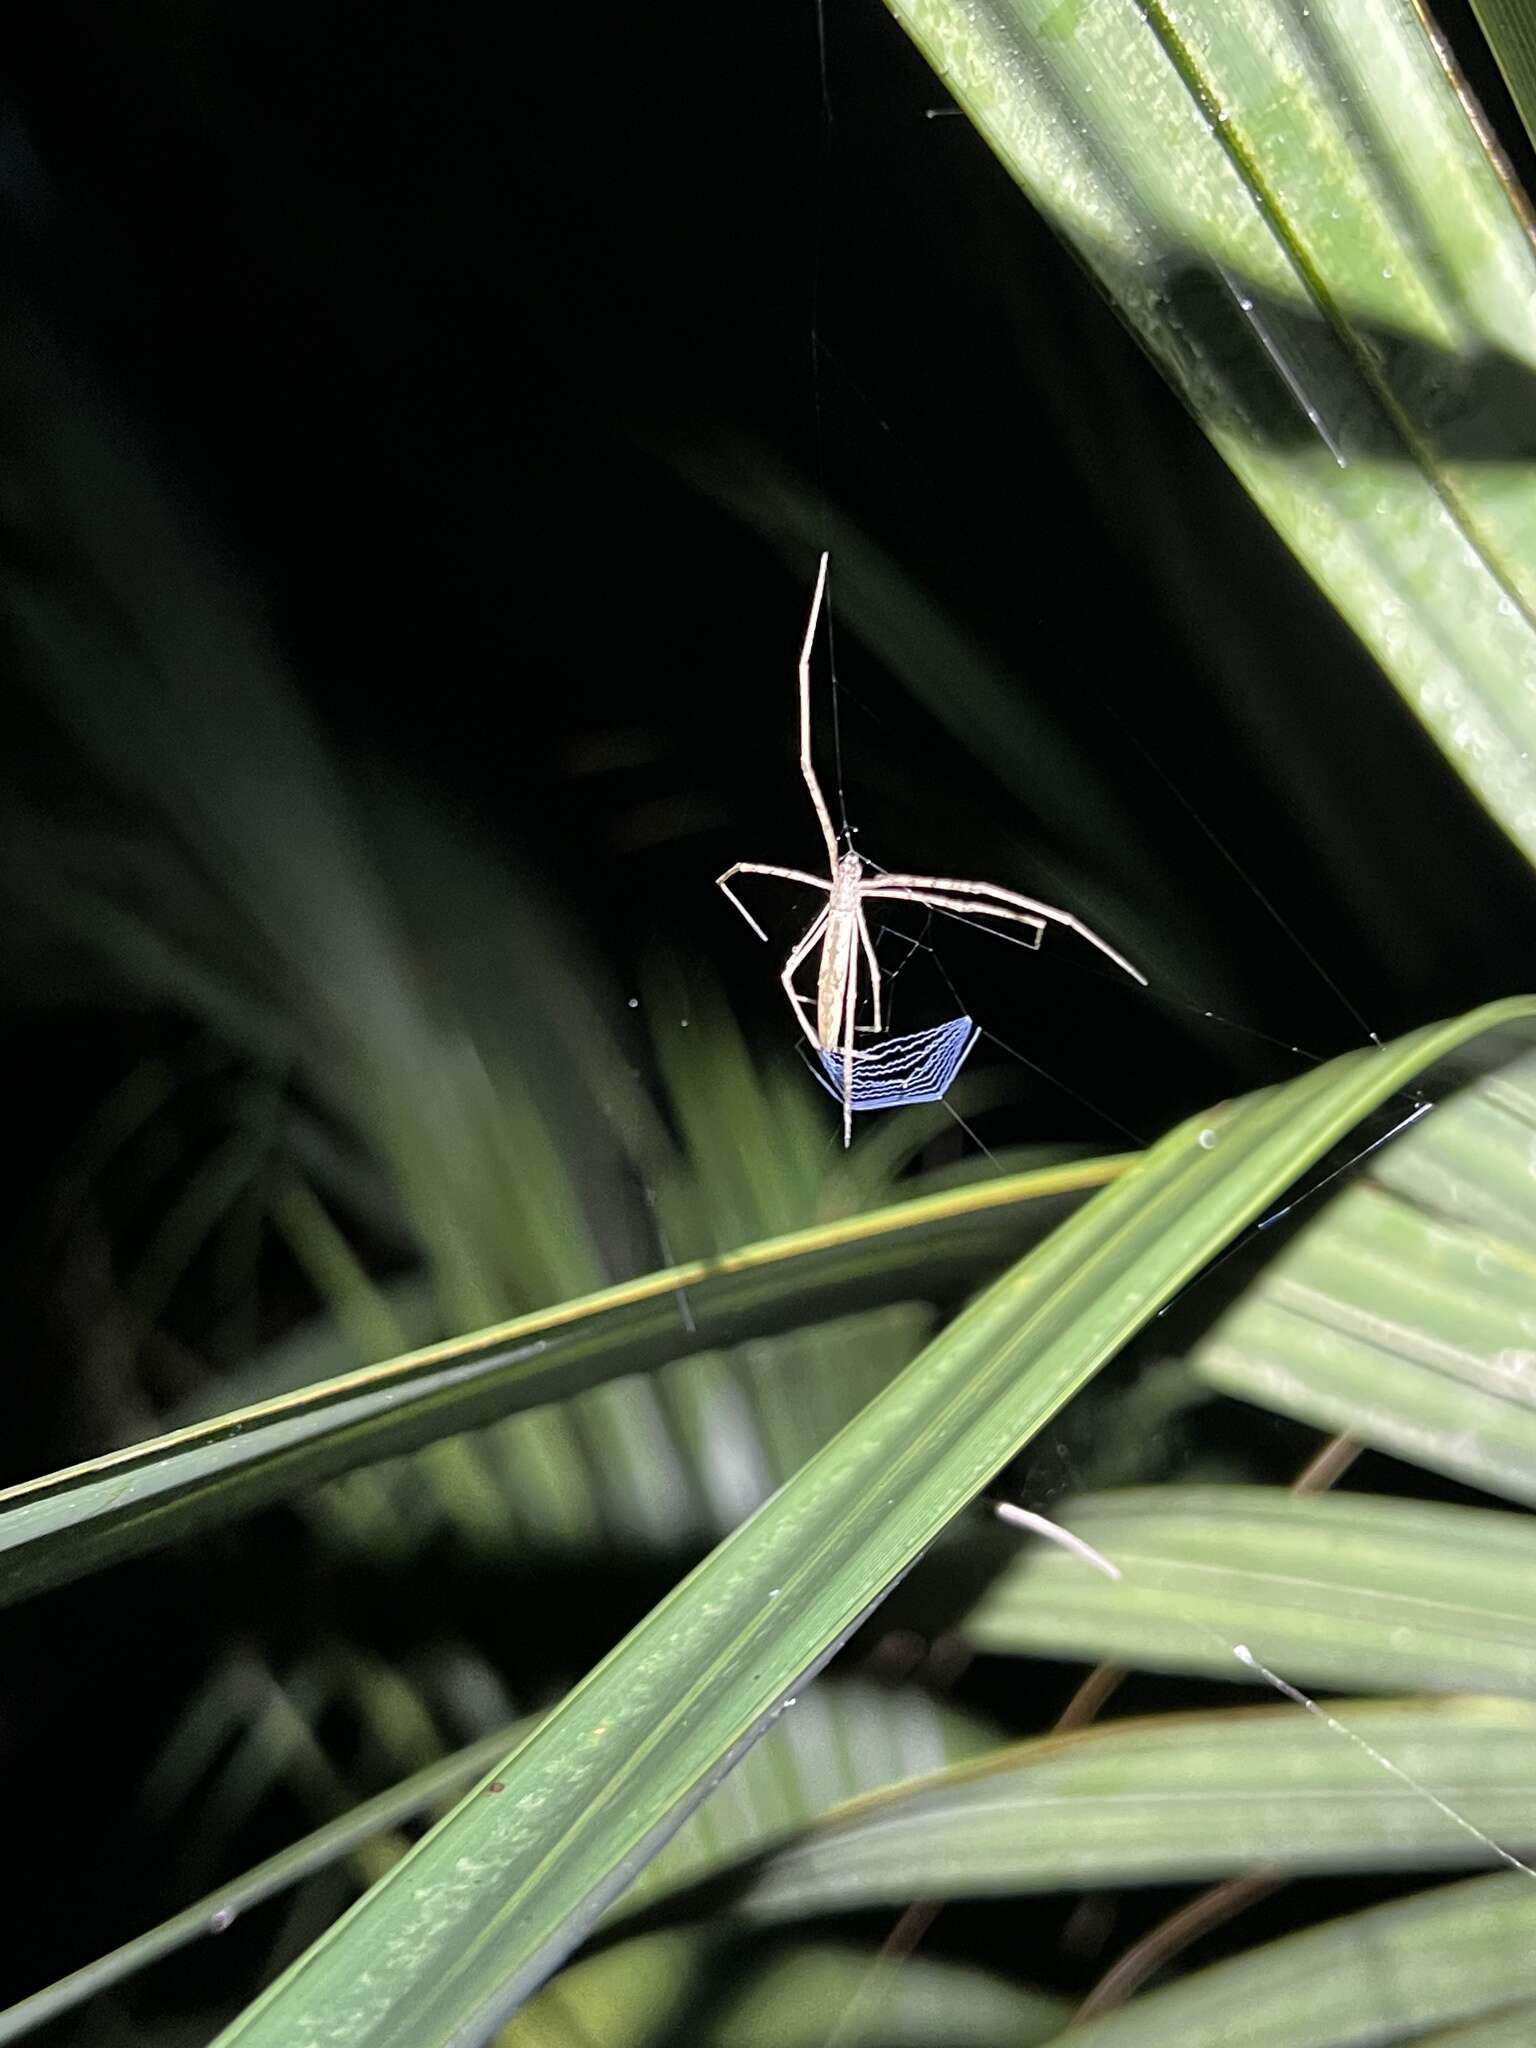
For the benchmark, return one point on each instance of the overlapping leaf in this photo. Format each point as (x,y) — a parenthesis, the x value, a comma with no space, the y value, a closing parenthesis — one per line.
(71,1522)
(1386,1975)
(483,1909)
(1410,1320)
(1336,1590)
(1177,1798)
(1299,219)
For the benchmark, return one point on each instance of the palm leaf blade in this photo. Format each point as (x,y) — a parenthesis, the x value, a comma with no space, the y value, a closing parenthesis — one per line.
(486,1906)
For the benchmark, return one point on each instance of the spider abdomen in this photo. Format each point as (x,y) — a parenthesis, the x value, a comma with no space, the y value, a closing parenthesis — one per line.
(842,935)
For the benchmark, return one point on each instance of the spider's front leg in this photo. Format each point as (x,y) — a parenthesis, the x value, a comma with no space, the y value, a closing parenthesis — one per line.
(986,899)
(758,867)
(792,965)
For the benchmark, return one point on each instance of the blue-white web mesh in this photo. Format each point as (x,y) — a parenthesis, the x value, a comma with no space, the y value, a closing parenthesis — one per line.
(918,1068)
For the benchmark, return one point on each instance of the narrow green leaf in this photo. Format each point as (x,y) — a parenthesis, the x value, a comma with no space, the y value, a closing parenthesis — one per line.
(847,1738)
(844,1740)
(1471,1166)
(1177,1799)
(1338,1590)
(326,1846)
(1511,34)
(1481,1434)
(800,2000)
(1380,1976)
(1403,1313)
(486,1906)
(629,1997)
(1513,2028)
(1294,213)
(59,1527)
(632,1997)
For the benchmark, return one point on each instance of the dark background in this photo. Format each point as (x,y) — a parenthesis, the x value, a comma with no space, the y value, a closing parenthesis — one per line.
(516,367)
(521,389)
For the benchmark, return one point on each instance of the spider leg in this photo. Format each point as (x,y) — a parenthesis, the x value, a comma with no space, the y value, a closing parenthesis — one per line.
(848,1017)
(757,867)
(823,816)
(993,892)
(958,906)
(874,970)
(787,978)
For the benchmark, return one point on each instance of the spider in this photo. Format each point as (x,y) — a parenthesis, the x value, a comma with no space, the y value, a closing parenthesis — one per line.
(840,927)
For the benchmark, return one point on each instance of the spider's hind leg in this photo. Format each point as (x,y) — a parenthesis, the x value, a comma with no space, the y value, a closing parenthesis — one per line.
(868,945)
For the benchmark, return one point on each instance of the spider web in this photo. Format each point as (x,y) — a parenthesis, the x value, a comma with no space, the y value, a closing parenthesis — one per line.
(899,1072)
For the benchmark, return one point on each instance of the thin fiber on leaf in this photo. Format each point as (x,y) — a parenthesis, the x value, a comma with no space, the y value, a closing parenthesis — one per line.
(1177,1798)
(1335,1590)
